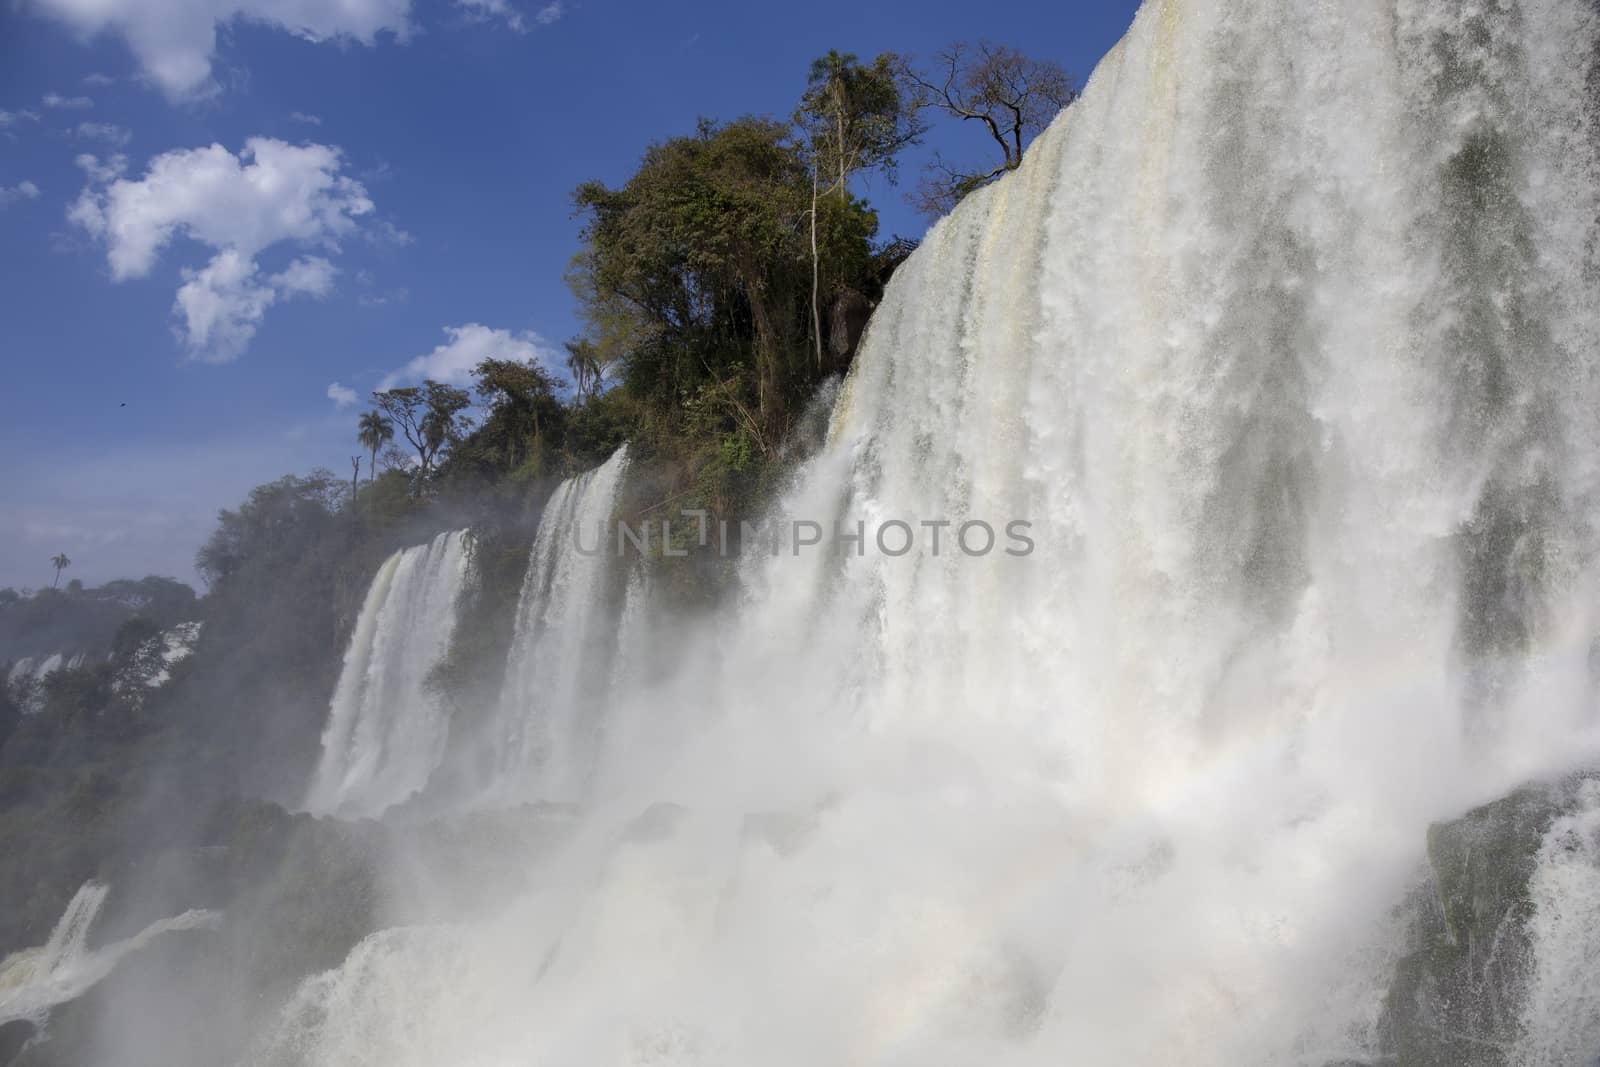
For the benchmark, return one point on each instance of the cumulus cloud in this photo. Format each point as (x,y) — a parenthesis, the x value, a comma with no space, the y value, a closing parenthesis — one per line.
(98,79)
(550,13)
(239,206)
(271,191)
(25,190)
(466,347)
(8,119)
(67,103)
(342,396)
(309,120)
(175,41)
(221,305)
(116,136)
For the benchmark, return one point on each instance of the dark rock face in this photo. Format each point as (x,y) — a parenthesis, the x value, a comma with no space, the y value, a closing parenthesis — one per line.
(1458,994)
(847,320)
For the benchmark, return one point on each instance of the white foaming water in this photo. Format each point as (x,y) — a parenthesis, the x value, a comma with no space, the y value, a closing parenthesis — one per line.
(1284,340)
(1561,1019)
(387,729)
(35,980)
(555,678)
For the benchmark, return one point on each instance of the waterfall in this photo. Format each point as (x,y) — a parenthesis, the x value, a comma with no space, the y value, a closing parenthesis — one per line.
(1561,1018)
(35,980)
(387,728)
(560,651)
(1283,343)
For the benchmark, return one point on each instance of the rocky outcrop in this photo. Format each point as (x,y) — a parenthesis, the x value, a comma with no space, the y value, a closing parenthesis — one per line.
(1461,994)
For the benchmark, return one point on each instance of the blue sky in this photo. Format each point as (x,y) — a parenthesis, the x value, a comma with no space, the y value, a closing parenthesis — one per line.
(211,212)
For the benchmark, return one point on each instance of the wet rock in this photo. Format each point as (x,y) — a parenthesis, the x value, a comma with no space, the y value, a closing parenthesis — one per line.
(1458,993)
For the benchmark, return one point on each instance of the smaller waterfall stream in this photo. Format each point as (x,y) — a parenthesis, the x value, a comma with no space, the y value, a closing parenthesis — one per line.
(35,980)
(386,729)
(562,637)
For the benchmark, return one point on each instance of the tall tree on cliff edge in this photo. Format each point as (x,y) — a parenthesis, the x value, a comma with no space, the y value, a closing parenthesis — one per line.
(373,432)
(1010,96)
(852,118)
(430,419)
(701,242)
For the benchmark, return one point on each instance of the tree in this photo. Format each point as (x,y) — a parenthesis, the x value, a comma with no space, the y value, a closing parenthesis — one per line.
(1009,95)
(583,360)
(373,432)
(613,326)
(851,118)
(60,562)
(523,413)
(429,417)
(276,524)
(704,241)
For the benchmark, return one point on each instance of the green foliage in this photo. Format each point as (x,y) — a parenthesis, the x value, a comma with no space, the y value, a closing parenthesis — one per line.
(854,117)
(430,419)
(523,426)
(704,243)
(277,523)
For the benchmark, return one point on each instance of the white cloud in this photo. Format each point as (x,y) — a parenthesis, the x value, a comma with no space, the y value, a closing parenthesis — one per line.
(383,232)
(67,103)
(271,191)
(100,172)
(174,41)
(342,396)
(222,304)
(23,190)
(306,276)
(469,345)
(98,79)
(117,136)
(9,119)
(309,120)
(239,206)
(484,10)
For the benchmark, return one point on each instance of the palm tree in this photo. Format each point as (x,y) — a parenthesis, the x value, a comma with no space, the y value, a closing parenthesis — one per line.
(60,562)
(375,432)
(583,359)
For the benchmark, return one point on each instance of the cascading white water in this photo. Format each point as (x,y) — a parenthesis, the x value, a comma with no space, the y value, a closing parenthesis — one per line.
(387,729)
(1284,339)
(35,980)
(1561,1018)
(560,650)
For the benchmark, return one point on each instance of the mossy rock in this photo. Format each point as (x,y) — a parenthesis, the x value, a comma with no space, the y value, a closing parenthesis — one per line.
(1457,995)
